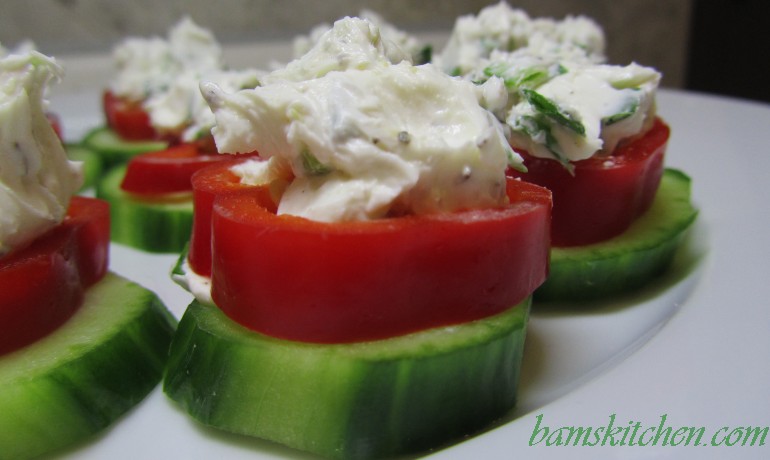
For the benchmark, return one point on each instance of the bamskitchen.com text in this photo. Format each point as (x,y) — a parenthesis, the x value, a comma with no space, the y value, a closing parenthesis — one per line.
(636,433)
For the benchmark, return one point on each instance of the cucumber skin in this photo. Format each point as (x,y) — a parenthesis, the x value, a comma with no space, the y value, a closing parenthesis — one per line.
(161,226)
(115,151)
(70,385)
(92,163)
(363,400)
(630,260)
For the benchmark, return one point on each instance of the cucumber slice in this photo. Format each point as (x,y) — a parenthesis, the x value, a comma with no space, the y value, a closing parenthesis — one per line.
(361,400)
(92,163)
(76,381)
(114,150)
(157,225)
(630,260)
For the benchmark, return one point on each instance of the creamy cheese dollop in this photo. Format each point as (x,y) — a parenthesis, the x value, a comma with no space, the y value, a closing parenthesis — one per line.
(364,133)
(584,110)
(36,178)
(364,143)
(164,74)
(500,27)
(563,102)
(405,41)
(352,43)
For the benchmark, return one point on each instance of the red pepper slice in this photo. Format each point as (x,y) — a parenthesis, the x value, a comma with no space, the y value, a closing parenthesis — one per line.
(298,279)
(207,184)
(41,285)
(605,194)
(127,118)
(167,171)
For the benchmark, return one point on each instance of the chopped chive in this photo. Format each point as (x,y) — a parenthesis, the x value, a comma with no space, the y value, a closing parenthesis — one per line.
(536,127)
(312,166)
(425,55)
(627,111)
(551,110)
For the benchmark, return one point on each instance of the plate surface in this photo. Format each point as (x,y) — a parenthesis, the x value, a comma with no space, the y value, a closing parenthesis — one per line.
(692,347)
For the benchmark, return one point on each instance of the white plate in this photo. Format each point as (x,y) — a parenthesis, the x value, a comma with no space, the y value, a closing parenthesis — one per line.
(692,347)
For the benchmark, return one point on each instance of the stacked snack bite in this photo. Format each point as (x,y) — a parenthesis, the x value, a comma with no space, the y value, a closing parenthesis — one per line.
(79,346)
(589,132)
(159,124)
(363,287)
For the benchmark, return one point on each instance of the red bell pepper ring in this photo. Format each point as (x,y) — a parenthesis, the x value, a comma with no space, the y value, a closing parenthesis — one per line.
(297,279)
(42,284)
(605,194)
(167,171)
(207,184)
(127,118)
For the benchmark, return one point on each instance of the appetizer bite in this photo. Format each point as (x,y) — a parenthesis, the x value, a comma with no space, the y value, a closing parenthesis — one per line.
(158,122)
(589,132)
(362,288)
(79,346)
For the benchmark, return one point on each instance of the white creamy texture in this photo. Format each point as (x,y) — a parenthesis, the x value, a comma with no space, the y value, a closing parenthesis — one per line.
(36,178)
(502,28)
(199,286)
(165,74)
(149,65)
(587,109)
(352,43)
(400,38)
(363,143)
(181,106)
(562,102)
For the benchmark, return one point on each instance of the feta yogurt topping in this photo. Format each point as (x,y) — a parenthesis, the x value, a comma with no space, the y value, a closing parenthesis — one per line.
(36,178)
(584,111)
(418,51)
(365,135)
(164,75)
(562,101)
(502,28)
(352,43)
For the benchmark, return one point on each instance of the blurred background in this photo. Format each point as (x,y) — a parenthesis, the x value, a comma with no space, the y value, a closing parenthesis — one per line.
(714,46)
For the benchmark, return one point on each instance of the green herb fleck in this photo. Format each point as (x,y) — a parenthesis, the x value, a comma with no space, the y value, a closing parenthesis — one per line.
(538,127)
(312,166)
(552,111)
(628,110)
(425,55)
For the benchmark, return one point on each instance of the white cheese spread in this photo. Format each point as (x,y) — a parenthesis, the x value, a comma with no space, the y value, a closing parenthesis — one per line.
(364,143)
(366,135)
(164,76)
(36,178)
(502,28)
(586,110)
(409,43)
(562,101)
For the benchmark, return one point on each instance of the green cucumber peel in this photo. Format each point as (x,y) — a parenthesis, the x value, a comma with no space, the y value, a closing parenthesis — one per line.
(157,225)
(113,150)
(361,400)
(92,163)
(70,385)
